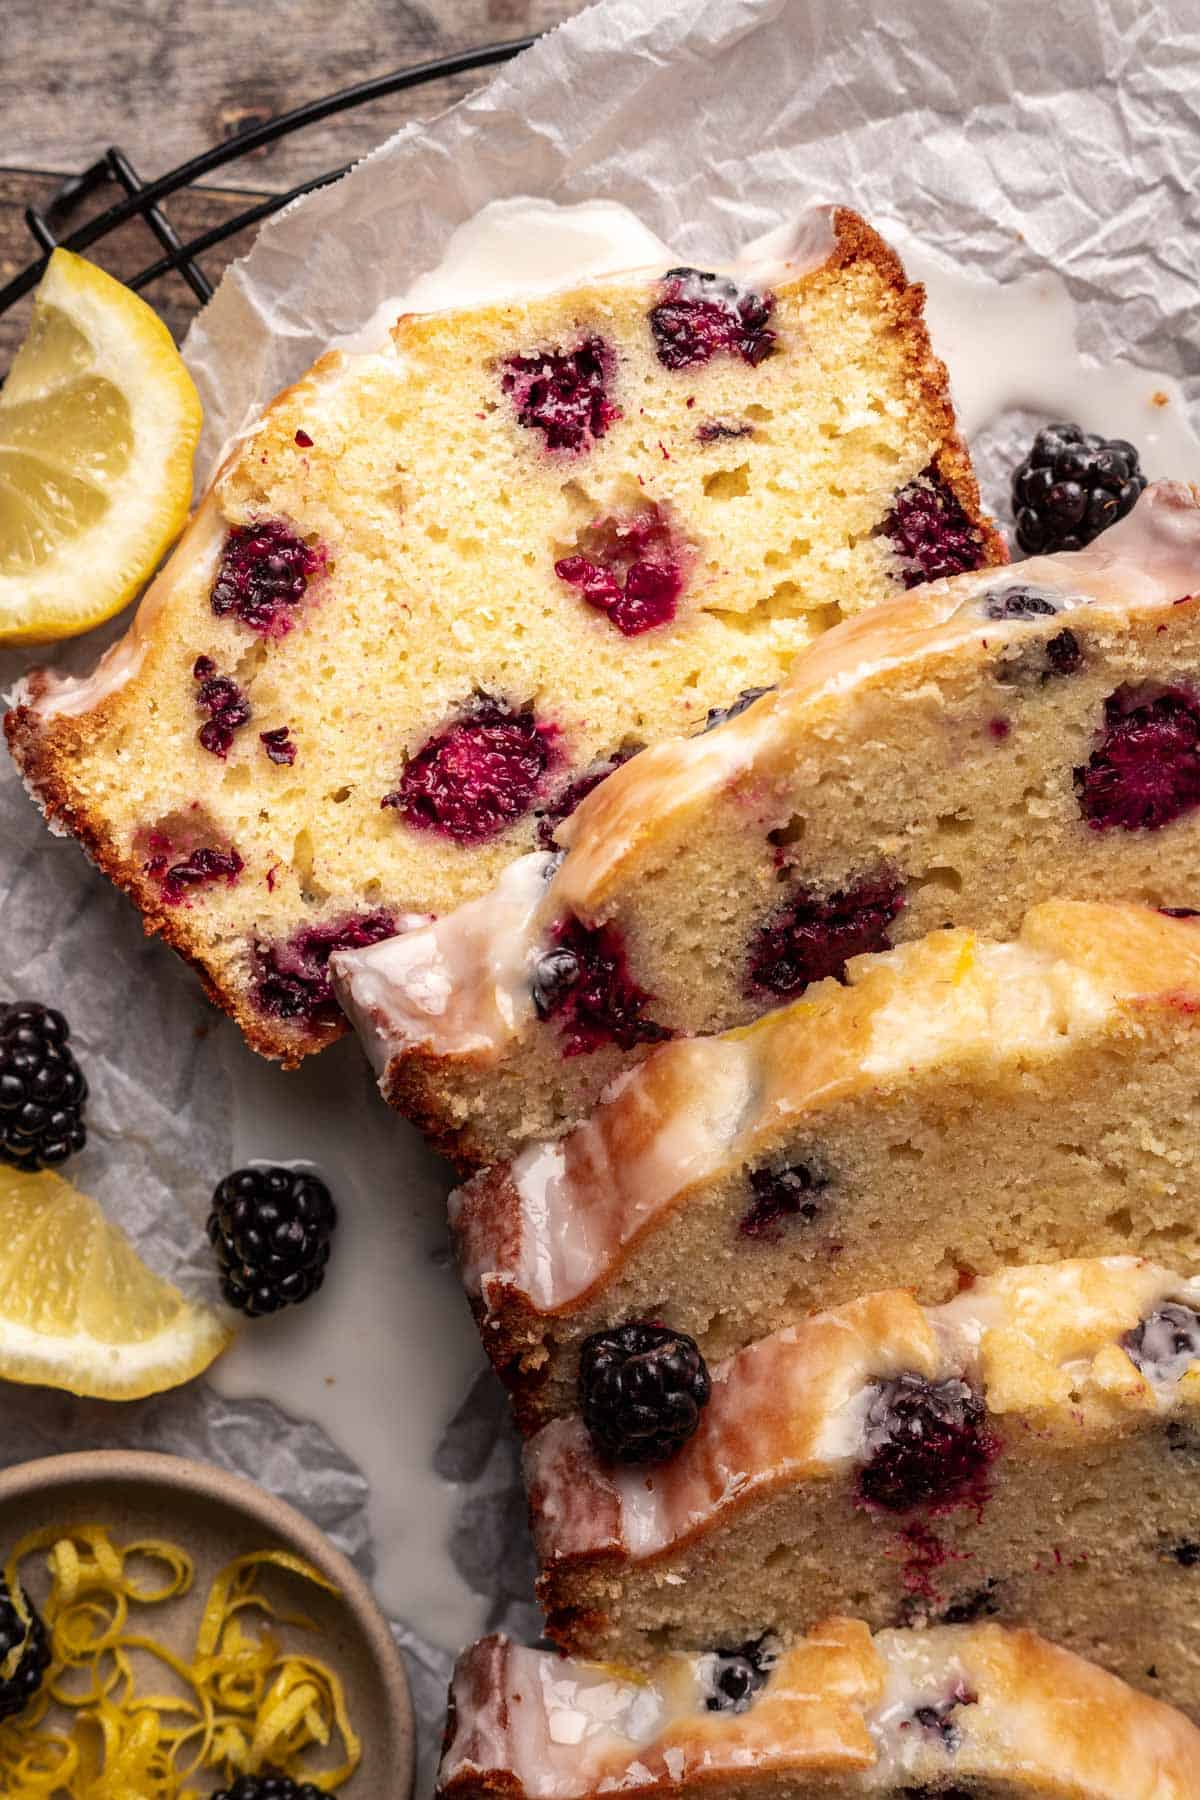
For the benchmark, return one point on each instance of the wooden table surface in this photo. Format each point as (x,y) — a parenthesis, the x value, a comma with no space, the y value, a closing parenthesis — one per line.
(164,80)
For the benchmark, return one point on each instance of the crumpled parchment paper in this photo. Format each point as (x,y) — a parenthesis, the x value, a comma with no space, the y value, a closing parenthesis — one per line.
(1008,137)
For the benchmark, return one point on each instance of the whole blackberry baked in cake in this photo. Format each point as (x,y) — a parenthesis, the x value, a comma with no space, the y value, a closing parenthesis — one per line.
(438,592)
(990,1458)
(968,1710)
(960,1105)
(952,758)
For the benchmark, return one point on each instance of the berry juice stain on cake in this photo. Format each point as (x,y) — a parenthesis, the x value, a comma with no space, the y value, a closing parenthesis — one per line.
(781,1195)
(1145,771)
(582,982)
(294,980)
(930,532)
(563,393)
(279,746)
(980,1603)
(702,315)
(478,776)
(927,1444)
(809,938)
(642,1388)
(198,869)
(183,852)
(179,859)
(629,568)
(226,705)
(264,574)
(550,817)
(924,1555)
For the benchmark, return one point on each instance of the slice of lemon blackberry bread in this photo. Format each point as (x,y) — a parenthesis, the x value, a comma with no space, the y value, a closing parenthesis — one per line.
(960,1105)
(438,592)
(1029,1451)
(952,758)
(967,1710)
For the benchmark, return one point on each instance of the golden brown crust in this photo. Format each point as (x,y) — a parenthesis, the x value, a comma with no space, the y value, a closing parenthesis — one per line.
(856,239)
(691,822)
(672,1556)
(836,1718)
(40,755)
(409,1085)
(1081,973)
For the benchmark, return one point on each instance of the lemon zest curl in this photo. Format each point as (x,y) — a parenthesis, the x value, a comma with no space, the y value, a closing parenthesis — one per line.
(242,1703)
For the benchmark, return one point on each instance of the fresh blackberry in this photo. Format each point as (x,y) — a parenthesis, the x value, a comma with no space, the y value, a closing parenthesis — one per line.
(269,1786)
(270,1228)
(642,1389)
(42,1088)
(34,1659)
(1072,486)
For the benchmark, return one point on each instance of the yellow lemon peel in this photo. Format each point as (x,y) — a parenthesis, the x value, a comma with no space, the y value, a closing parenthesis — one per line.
(243,1703)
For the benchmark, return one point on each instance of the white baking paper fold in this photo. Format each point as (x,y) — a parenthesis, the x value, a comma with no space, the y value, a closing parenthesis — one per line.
(1009,138)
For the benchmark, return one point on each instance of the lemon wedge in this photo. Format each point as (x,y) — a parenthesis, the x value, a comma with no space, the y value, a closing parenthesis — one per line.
(98,426)
(80,1310)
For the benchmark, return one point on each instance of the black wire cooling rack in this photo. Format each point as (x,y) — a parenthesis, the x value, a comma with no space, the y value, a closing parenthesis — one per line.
(48,225)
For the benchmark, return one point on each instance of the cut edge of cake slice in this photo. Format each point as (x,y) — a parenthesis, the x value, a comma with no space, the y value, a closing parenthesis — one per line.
(950,757)
(967,1709)
(961,1104)
(218,767)
(895,1460)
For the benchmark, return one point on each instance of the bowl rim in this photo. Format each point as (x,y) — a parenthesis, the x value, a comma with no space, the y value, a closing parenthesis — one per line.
(154,1468)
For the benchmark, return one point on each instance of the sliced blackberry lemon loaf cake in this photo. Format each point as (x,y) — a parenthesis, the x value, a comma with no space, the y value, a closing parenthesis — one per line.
(950,758)
(1029,1451)
(968,1710)
(439,591)
(959,1105)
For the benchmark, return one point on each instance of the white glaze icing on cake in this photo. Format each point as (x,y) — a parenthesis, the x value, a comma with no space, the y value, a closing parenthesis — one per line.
(698,1107)
(839,1707)
(792,1407)
(525,245)
(1150,560)
(54,696)
(466,976)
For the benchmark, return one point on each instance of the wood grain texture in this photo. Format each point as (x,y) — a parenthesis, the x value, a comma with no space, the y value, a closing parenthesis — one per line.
(165,79)
(124,253)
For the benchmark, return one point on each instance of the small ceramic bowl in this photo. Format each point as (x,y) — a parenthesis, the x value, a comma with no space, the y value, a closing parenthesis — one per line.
(217,1516)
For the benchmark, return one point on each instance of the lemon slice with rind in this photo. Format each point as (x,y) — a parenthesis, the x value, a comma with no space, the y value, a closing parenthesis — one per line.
(80,1310)
(98,426)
